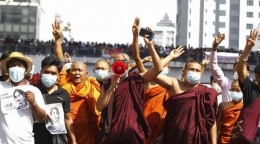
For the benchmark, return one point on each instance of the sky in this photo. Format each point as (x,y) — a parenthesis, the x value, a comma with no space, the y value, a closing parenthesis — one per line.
(104,20)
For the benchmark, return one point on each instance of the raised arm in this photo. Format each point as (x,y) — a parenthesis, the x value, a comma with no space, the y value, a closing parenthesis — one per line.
(175,53)
(105,96)
(157,65)
(144,60)
(57,33)
(242,74)
(204,65)
(215,70)
(136,52)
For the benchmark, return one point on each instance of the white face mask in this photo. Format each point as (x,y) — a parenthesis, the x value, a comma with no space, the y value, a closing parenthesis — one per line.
(193,77)
(16,74)
(101,74)
(165,71)
(236,96)
(216,87)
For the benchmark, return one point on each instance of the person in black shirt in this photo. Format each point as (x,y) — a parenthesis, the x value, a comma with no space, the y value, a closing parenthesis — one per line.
(52,93)
(250,89)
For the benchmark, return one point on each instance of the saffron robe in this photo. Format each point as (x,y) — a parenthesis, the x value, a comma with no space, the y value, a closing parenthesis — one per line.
(247,123)
(154,111)
(85,116)
(229,119)
(127,124)
(190,116)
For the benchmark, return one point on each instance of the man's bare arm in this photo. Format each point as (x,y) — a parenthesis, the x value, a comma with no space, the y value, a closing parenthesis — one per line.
(57,33)
(69,127)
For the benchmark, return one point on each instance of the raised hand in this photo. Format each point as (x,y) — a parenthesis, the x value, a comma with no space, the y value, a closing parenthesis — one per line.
(146,40)
(205,63)
(252,38)
(147,59)
(67,57)
(218,39)
(175,53)
(135,27)
(57,32)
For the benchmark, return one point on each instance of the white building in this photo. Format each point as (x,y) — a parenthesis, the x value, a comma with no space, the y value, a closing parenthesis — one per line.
(199,21)
(165,32)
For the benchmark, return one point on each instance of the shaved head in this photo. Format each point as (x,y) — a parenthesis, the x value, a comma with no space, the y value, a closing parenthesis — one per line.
(80,63)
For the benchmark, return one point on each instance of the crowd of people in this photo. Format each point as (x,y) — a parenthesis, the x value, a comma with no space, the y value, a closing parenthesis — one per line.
(125,103)
(95,49)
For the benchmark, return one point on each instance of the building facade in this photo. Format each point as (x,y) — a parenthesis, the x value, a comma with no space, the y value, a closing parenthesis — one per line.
(20,19)
(165,32)
(199,21)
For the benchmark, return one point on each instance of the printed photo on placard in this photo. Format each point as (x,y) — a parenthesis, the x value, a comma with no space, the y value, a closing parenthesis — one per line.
(13,99)
(55,123)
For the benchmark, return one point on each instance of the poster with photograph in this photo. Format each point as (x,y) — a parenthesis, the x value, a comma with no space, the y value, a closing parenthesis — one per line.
(13,99)
(55,123)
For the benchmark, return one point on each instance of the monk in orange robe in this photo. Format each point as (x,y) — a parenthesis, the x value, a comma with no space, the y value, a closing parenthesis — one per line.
(228,114)
(84,93)
(155,95)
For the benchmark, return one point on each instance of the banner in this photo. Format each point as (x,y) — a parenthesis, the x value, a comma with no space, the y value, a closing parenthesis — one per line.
(110,53)
(224,57)
(55,123)
(13,99)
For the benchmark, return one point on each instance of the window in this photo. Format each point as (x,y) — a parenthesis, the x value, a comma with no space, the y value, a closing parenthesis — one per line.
(249,26)
(16,28)
(213,35)
(205,22)
(8,28)
(222,24)
(259,3)
(190,11)
(24,28)
(249,14)
(222,1)
(205,34)
(258,15)
(250,2)
(190,1)
(214,11)
(213,23)
(206,10)
(189,34)
(189,23)
(222,13)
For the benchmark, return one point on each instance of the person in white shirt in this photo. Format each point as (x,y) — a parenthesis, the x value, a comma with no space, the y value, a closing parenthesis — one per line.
(16,127)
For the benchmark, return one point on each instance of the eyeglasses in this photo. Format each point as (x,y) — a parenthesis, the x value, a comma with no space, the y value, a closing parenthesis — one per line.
(124,61)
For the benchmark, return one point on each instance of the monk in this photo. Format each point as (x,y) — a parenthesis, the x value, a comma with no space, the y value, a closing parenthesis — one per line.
(228,113)
(155,95)
(122,103)
(83,92)
(101,70)
(191,108)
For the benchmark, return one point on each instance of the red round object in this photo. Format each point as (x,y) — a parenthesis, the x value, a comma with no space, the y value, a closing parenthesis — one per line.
(118,68)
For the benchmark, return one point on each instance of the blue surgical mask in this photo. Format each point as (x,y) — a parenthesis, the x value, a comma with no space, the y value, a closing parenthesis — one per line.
(101,74)
(236,96)
(49,80)
(165,71)
(16,74)
(193,77)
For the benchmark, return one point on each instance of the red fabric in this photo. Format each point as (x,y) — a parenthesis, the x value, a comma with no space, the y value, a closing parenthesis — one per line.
(190,116)
(128,124)
(36,78)
(247,124)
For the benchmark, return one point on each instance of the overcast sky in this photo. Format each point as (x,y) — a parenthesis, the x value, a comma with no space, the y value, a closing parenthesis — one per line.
(104,20)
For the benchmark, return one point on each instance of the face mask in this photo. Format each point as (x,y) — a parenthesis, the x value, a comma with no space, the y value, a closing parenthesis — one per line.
(236,96)
(16,73)
(48,80)
(235,76)
(216,87)
(101,74)
(164,71)
(193,77)
(31,72)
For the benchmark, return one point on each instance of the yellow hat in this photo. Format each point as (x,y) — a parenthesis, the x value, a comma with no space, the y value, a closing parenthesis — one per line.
(20,56)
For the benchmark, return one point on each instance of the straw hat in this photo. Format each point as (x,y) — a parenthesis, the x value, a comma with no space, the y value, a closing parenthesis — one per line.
(20,56)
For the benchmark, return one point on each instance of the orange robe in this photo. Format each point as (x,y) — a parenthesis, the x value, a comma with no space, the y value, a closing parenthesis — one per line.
(85,116)
(229,119)
(154,111)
